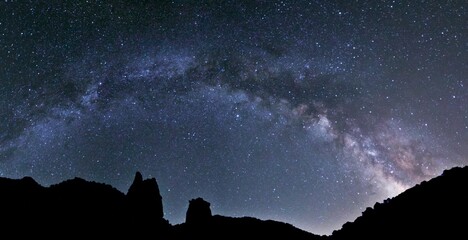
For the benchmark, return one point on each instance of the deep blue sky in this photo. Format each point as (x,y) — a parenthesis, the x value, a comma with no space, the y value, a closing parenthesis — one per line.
(299,111)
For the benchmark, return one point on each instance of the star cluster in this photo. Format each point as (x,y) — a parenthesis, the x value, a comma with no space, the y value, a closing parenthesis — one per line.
(299,111)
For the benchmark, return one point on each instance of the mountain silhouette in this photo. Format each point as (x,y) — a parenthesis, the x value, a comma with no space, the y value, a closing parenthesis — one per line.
(84,209)
(79,208)
(434,209)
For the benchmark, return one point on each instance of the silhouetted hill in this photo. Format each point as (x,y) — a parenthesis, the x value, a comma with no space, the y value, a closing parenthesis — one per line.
(90,205)
(16,198)
(437,209)
(221,227)
(78,208)
(88,209)
(82,208)
(200,224)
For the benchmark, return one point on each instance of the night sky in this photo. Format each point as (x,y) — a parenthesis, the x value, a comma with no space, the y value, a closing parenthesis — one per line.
(305,112)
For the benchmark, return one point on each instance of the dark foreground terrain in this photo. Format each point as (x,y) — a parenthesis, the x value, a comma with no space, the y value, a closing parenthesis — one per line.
(436,209)
(80,209)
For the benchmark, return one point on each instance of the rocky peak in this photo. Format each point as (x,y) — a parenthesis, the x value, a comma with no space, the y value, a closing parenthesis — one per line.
(144,196)
(138,178)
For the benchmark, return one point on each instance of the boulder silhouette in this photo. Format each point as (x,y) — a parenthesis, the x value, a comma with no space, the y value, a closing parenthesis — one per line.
(198,212)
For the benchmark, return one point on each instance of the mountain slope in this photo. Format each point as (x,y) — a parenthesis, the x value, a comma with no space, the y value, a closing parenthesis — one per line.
(437,208)
(200,224)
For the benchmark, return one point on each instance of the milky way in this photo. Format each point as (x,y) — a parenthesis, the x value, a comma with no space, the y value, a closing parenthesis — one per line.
(300,111)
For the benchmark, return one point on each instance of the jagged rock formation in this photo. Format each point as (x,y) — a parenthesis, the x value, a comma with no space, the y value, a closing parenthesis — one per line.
(145,209)
(144,197)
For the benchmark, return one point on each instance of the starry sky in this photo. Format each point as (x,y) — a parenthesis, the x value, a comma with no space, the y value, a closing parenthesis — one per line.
(305,112)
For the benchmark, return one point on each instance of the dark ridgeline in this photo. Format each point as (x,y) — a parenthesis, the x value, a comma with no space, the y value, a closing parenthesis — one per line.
(436,209)
(200,224)
(78,208)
